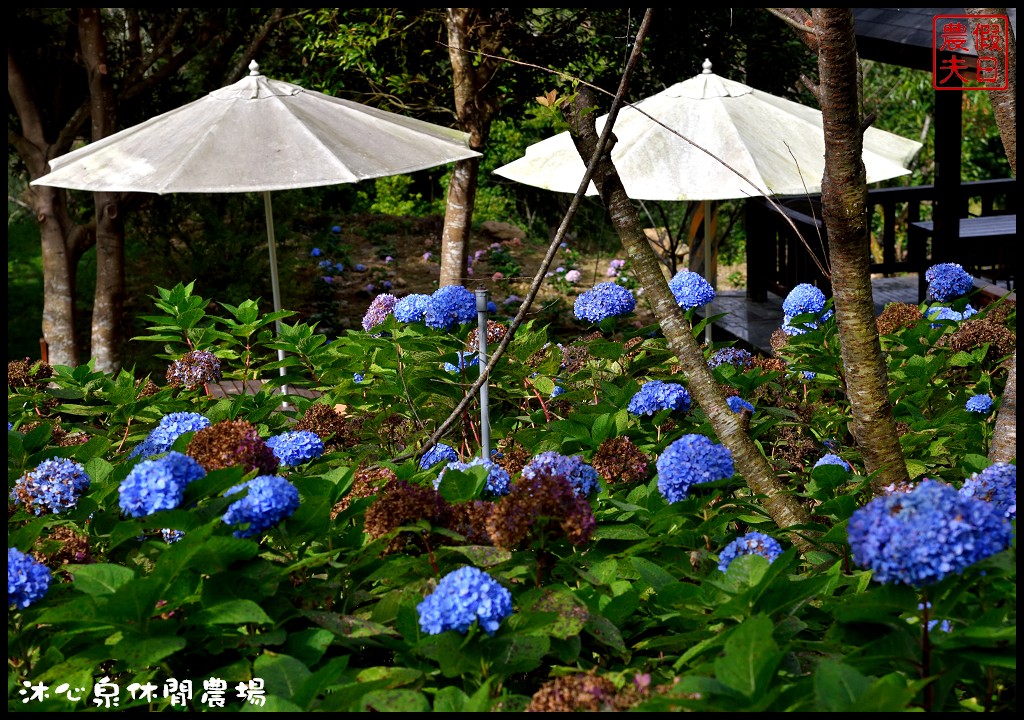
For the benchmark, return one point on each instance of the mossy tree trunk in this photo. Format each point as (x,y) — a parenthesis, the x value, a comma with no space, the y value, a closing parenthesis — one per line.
(845,211)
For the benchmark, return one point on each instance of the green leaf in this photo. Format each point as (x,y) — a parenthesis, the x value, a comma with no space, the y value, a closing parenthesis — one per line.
(283,675)
(100,578)
(620,532)
(838,687)
(400,700)
(518,653)
(656,576)
(750,658)
(143,651)
(233,612)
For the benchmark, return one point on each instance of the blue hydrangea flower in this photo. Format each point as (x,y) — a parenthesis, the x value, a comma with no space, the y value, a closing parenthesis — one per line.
(492,307)
(690,289)
(380,307)
(689,461)
(605,300)
(996,484)
(315,252)
(462,597)
(556,391)
(158,484)
(168,430)
(54,485)
(27,579)
(439,453)
(411,308)
(359,267)
(948,281)
(804,298)
(295,448)
(581,476)
(336,229)
(738,357)
(738,404)
(463,362)
(656,395)
(271,499)
(449,306)
(833,459)
(921,536)
(941,312)
(980,404)
(498,480)
(171,536)
(753,543)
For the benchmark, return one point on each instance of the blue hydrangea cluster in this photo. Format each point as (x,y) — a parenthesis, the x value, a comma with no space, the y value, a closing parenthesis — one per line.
(996,484)
(582,477)
(450,305)
(738,404)
(980,404)
(833,459)
(380,307)
(53,486)
(170,428)
(753,543)
(358,378)
(691,460)
(604,300)
(27,579)
(439,453)
(171,535)
(158,484)
(656,396)
(467,359)
(737,357)
(919,537)
(271,499)
(941,312)
(411,308)
(948,281)
(804,298)
(690,289)
(498,480)
(296,447)
(462,597)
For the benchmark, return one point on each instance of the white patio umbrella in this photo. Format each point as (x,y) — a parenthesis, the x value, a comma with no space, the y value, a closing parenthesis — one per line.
(757,144)
(258,135)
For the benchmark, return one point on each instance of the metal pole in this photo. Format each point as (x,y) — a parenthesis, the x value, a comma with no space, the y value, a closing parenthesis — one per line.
(707,267)
(275,285)
(482,297)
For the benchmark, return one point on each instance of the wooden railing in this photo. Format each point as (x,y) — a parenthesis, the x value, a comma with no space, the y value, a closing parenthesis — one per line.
(778,259)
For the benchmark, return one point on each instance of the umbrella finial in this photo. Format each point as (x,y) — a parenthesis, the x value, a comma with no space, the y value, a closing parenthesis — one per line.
(707,67)
(254,67)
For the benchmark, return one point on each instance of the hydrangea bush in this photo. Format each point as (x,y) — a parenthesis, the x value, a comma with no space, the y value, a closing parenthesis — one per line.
(581,565)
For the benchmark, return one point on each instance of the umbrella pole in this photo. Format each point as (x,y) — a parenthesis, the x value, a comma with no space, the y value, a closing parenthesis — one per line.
(707,266)
(481,337)
(275,285)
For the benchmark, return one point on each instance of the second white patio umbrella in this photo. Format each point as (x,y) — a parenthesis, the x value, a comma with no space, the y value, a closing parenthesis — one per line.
(757,144)
(258,135)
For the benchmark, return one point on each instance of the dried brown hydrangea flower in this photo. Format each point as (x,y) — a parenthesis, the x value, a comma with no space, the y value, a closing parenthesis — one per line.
(402,503)
(496,332)
(975,332)
(469,519)
(583,692)
(366,483)
(898,316)
(62,546)
(770,364)
(147,388)
(229,443)
(513,457)
(542,504)
(619,460)
(999,312)
(793,446)
(28,373)
(194,369)
(336,430)
(778,341)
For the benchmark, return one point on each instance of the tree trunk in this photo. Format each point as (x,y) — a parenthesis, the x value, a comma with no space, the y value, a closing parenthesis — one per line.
(475,105)
(780,504)
(1004,107)
(108,300)
(844,208)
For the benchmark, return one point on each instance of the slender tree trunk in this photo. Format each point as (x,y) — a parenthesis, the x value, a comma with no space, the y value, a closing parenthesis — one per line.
(475,105)
(108,300)
(783,507)
(844,207)
(58,278)
(1004,107)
